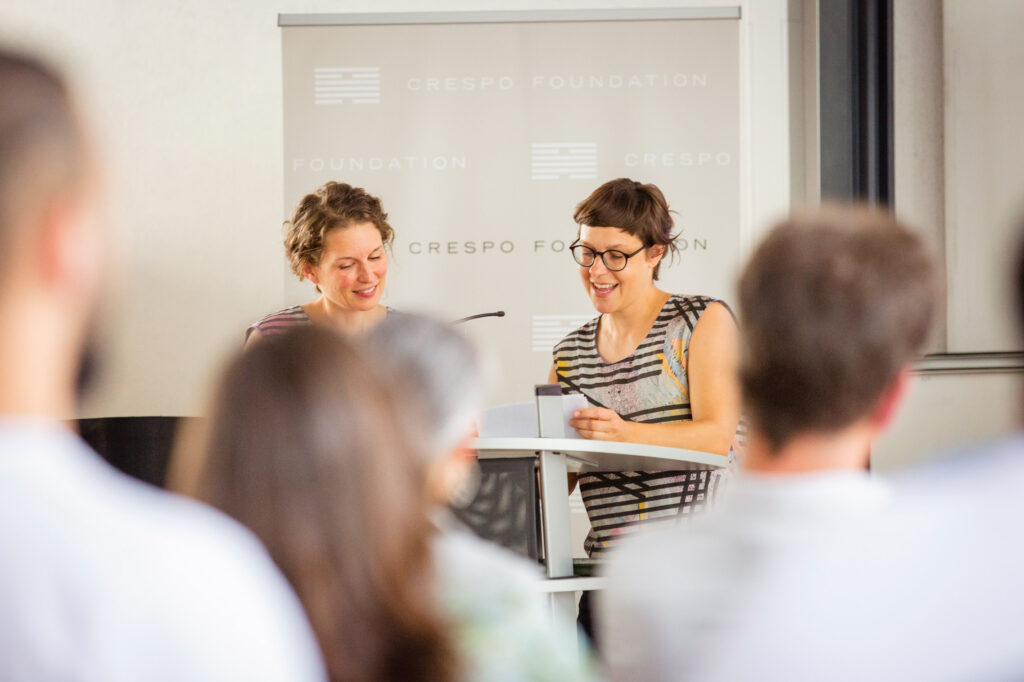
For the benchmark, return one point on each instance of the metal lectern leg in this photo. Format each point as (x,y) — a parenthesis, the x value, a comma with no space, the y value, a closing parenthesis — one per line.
(555,515)
(555,522)
(555,500)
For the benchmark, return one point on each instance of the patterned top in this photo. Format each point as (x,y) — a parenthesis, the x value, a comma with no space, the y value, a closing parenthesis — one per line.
(281,321)
(649,386)
(500,623)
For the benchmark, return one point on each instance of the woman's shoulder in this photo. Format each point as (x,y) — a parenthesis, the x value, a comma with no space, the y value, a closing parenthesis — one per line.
(581,338)
(687,309)
(277,322)
(502,627)
(467,560)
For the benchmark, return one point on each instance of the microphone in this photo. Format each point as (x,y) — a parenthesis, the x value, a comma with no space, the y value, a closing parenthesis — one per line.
(498,313)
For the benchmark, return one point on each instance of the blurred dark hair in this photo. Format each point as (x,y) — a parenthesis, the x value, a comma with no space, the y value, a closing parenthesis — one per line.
(834,303)
(303,449)
(42,151)
(633,207)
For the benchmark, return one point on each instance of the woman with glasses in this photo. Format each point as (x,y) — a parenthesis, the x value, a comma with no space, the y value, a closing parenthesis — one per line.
(657,368)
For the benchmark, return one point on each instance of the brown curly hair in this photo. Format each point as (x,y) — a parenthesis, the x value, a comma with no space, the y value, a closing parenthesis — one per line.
(333,206)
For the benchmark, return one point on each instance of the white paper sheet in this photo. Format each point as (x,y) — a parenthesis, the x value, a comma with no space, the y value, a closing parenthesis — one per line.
(519,420)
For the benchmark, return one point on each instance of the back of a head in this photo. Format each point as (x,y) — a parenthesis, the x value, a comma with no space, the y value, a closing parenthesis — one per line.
(303,450)
(42,152)
(437,370)
(834,304)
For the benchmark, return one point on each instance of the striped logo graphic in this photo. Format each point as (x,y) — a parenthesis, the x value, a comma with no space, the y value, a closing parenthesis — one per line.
(550,329)
(356,84)
(553,160)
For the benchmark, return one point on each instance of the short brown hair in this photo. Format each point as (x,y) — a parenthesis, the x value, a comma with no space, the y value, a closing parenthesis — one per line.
(42,150)
(332,206)
(833,305)
(633,207)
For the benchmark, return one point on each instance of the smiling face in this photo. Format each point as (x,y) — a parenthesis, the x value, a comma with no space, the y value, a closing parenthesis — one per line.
(612,291)
(353,267)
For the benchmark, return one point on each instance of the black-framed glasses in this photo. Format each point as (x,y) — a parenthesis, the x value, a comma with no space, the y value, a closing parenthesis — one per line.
(613,259)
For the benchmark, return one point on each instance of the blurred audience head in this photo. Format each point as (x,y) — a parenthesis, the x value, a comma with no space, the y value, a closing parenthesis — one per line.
(834,305)
(438,373)
(52,246)
(42,151)
(308,448)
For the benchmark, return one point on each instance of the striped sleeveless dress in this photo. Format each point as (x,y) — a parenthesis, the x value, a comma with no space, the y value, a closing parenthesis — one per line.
(649,386)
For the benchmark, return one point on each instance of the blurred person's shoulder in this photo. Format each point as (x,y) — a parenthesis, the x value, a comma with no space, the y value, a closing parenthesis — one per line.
(968,495)
(660,545)
(502,623)
(155,582)
(656,589)
(465,558)
(990,470)
(658,566)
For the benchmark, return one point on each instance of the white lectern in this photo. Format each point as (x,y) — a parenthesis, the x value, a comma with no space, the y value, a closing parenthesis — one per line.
(557,457)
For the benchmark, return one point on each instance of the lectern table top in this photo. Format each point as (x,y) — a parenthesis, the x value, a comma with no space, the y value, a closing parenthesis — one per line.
(584,456)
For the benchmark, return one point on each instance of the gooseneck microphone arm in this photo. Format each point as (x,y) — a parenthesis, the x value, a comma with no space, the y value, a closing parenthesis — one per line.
(498,313)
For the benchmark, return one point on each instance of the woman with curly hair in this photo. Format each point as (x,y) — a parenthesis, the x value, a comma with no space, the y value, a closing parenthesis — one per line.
(338,239)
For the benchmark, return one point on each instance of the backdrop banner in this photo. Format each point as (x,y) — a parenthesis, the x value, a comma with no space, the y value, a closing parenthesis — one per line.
(481,138)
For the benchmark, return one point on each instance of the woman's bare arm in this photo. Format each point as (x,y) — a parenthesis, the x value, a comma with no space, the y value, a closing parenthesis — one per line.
(712,372)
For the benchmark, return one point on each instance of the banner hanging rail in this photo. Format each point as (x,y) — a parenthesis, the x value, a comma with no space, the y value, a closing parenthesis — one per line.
(970,363)
(509,16)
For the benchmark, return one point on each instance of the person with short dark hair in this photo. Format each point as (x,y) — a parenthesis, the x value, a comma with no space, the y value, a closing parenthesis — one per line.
(656,368)
(834,306)
(101,576)
(337,239)
(929,591)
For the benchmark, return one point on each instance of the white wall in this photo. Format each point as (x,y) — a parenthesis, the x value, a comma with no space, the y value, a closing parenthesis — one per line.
(949,411)
(187,101)
(918,118)
(958,177)
(984,148)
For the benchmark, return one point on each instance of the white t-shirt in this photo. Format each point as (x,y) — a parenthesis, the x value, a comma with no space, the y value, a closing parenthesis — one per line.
(930,591)
(103,578)
(674,595)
